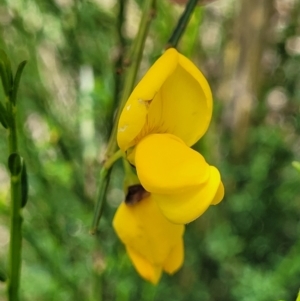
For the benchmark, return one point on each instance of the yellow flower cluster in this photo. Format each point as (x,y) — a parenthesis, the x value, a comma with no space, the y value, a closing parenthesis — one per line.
(169,110)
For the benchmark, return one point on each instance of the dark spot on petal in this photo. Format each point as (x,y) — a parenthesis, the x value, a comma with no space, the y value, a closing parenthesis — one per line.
(135,194)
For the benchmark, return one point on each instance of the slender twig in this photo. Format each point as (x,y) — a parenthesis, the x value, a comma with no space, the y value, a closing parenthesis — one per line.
(18,177)
(15,246)
(130,77)
(112,159)
(182,23)
(119,64)
(103,184)
(102,188)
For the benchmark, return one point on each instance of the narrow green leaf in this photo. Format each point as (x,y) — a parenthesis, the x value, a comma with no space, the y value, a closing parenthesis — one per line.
(5,72)
(3,115)
(15,164)
(17,81)
(24,185)
(4,79)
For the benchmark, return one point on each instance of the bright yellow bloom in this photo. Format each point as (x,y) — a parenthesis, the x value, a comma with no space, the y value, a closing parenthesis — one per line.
(152,242)
(180,180)
(173,97)
(168,111)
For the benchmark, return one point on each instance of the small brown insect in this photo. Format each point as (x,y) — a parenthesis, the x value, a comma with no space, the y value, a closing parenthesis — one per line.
(135,194)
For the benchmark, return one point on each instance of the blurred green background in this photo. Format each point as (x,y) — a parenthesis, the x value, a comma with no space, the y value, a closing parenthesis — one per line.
(247,248)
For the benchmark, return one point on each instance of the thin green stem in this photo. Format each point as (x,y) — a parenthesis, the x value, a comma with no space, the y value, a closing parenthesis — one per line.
(15,241)
(103,184)
(102,188)
(182,23)
(15,247)
(130,77)
(112,159)
(119,63)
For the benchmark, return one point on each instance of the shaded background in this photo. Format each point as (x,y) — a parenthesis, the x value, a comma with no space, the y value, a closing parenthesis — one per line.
(247,248)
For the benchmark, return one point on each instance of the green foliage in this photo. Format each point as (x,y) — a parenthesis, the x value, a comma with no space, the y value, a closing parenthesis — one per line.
(17,81)
(247,248)
(5,72)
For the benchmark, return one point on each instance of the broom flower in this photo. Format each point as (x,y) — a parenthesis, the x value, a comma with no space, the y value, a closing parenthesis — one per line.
(152,242)
(169,110)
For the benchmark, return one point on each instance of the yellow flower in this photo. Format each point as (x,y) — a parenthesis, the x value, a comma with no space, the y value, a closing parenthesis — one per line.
(173,97)
(169,110)
(152,242)
(180,180)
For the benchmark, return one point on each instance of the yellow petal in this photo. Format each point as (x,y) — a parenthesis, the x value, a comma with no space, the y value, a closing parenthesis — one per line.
(183,208)
(165,165)
(199,77)
(147,270)
(183,105)
(135,111)
(219,195)
(173,97)
(144,230)
(175,259)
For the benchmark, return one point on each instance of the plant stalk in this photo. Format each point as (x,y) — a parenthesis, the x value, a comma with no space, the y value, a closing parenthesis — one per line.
(15,246)
(181,24)
(130,77)
(103,184)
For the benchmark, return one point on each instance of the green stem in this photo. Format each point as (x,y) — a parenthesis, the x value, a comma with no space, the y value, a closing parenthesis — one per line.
(112,159)
(102,188)
(119,64)
(182,23)
(103,184)
(15,247)
(15,241)
(130,76)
